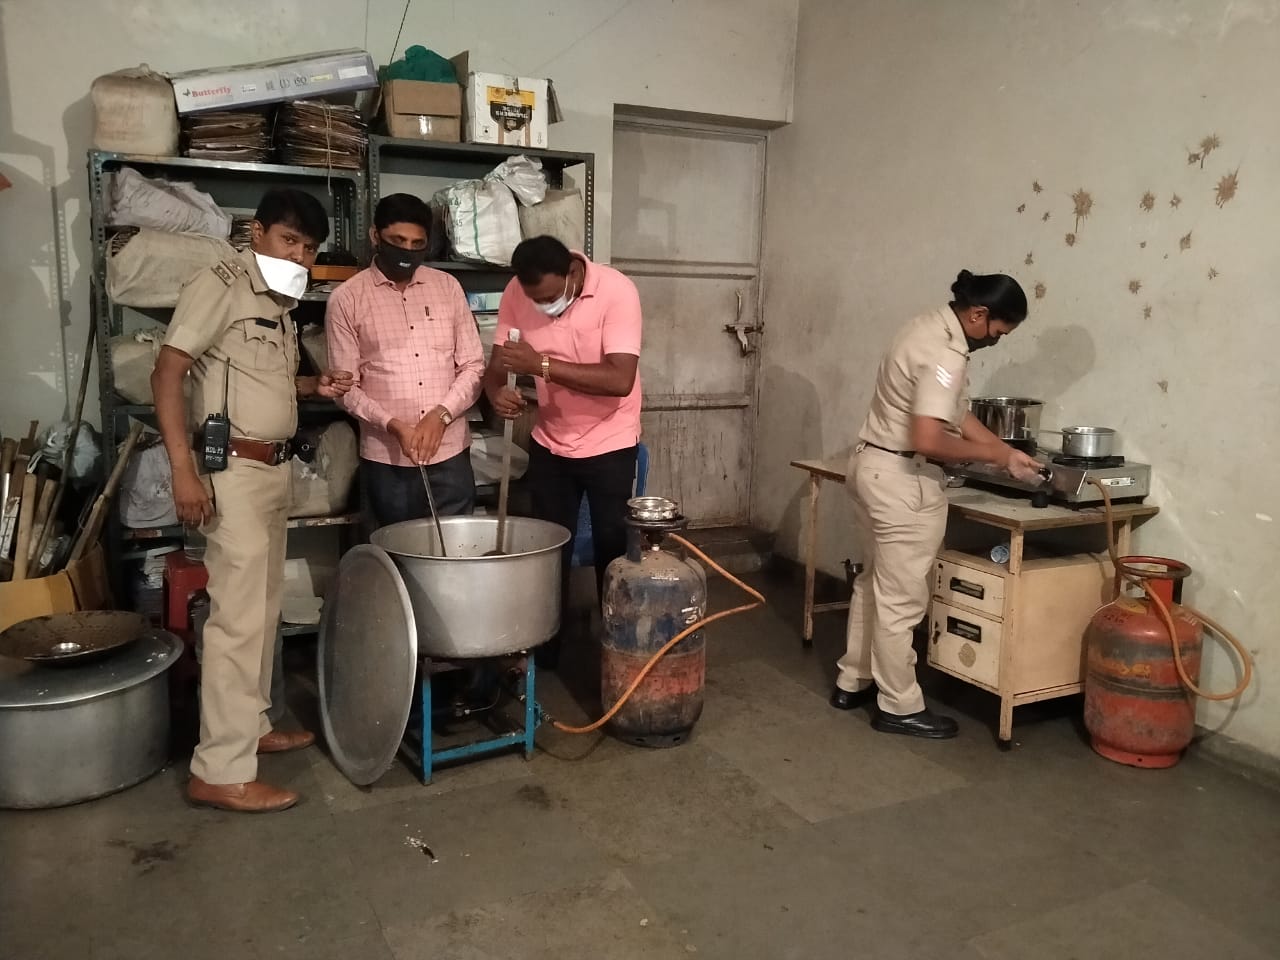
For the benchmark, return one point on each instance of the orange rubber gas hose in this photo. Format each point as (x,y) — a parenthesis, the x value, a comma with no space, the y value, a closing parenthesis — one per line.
(1167,617)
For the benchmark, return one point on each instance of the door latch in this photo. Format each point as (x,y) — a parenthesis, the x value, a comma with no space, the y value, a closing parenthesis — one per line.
(740,330)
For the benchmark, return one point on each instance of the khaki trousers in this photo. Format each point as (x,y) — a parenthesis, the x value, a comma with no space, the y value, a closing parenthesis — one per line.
(245,559)
(900,507)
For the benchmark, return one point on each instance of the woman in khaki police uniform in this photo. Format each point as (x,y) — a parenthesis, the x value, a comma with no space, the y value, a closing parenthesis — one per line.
(919,416)
(232,331)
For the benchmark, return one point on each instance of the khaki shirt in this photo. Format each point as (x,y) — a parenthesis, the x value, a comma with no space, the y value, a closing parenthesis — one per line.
(226,315)
(924,374)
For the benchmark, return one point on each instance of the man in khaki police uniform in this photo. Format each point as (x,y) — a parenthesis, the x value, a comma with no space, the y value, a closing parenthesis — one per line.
(919,417)
(232,331)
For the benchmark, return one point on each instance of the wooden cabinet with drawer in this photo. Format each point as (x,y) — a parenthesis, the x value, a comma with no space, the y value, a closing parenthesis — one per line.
(1019,635)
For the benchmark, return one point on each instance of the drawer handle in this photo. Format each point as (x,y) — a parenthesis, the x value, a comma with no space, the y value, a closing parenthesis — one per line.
(968,588)
(964,629)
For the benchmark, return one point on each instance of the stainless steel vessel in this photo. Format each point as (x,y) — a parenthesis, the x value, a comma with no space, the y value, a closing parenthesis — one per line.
(73,733)
(1009,418)
(1088,443)
(471,605)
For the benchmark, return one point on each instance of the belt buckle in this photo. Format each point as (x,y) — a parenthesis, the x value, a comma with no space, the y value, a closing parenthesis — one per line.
(280,453)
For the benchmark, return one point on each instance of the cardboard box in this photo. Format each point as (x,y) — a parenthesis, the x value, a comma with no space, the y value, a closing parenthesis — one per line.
(506,110)
(274,81)
(82,586)
(423,111)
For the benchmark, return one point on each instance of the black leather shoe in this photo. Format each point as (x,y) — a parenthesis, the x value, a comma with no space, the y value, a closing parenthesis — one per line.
(925,724)
(844,700)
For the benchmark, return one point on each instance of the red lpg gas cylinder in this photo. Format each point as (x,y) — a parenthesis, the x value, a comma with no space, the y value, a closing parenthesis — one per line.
(1137,708)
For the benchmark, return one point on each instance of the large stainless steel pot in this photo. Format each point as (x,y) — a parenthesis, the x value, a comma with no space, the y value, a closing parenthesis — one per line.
(72,733)
(471,605)
(1009,418)
(1091,443)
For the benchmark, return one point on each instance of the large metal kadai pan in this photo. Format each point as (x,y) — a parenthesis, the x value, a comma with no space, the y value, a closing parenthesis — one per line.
(472,605)
(398,598)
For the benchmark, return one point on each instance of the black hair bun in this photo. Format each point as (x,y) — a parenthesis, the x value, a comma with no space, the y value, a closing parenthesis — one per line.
(960,289)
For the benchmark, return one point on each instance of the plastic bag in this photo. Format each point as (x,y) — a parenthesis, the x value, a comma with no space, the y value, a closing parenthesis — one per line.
(164,205)
(482,220)
(323,486)
(151,269)
(561,215)
(419,63)
(146,489)
(524,176)
(86,461)
(133,357)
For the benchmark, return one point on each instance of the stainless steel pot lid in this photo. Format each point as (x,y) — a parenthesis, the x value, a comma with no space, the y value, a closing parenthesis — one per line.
(64,637)
(367,661)
(25,685)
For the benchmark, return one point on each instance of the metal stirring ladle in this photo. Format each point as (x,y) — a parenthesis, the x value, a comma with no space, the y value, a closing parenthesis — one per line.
(431,502)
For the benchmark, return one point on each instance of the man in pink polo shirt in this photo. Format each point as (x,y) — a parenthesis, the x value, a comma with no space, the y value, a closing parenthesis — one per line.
(580,328)
(409,336)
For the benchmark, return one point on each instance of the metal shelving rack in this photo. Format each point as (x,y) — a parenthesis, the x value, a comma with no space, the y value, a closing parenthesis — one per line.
(349,196)
(233,185)
(471,161)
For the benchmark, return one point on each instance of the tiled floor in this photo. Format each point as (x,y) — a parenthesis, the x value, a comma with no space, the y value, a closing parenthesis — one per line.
(784,829)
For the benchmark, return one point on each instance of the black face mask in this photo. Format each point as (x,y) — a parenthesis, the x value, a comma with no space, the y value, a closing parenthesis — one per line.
(980,343)
(398,263)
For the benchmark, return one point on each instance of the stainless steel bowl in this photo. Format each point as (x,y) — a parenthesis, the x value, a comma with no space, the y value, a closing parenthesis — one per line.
(652,509)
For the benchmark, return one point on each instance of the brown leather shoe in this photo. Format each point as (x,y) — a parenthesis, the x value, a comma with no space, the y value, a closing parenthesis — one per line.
(282,741)
(255,797)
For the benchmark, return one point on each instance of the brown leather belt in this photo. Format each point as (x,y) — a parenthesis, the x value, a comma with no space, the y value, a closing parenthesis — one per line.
(906,454)
(261,451)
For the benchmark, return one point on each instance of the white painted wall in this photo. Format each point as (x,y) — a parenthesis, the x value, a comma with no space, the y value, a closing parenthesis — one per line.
(730,57)
(919,129)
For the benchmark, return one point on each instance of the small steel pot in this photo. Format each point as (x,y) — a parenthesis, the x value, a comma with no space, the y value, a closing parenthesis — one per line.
(1091,443)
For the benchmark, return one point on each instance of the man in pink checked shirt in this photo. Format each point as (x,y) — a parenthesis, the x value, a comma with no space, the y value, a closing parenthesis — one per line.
(407,333)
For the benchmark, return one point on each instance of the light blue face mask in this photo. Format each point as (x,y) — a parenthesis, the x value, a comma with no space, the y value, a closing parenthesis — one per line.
(559,305)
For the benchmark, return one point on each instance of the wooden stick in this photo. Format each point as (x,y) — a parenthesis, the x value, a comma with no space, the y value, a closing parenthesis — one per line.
(8,451)
(10,507)
(44,520)
(26,521)
(93,526)
(69,453)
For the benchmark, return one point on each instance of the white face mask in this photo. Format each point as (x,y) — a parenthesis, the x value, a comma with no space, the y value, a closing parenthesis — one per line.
(558,305)
(284,277)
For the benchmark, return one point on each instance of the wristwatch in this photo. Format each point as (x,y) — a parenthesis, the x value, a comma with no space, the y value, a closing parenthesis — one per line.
(546,368)
(445,416)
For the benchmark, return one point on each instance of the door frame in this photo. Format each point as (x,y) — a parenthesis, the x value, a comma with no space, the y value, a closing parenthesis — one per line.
(749,401)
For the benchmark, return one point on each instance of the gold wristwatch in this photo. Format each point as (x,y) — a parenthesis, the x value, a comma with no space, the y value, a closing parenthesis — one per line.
(546,368)
(445,416)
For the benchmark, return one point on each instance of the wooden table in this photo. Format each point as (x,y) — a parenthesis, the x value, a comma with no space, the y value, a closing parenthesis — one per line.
(818,471)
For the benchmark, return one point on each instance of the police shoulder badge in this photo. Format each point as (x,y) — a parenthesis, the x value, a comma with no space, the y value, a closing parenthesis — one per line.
(228,270)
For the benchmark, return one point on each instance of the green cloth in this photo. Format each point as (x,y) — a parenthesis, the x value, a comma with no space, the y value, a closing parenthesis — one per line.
(419,63)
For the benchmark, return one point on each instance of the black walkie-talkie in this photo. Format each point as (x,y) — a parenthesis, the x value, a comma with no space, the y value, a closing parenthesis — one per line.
(216,436)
